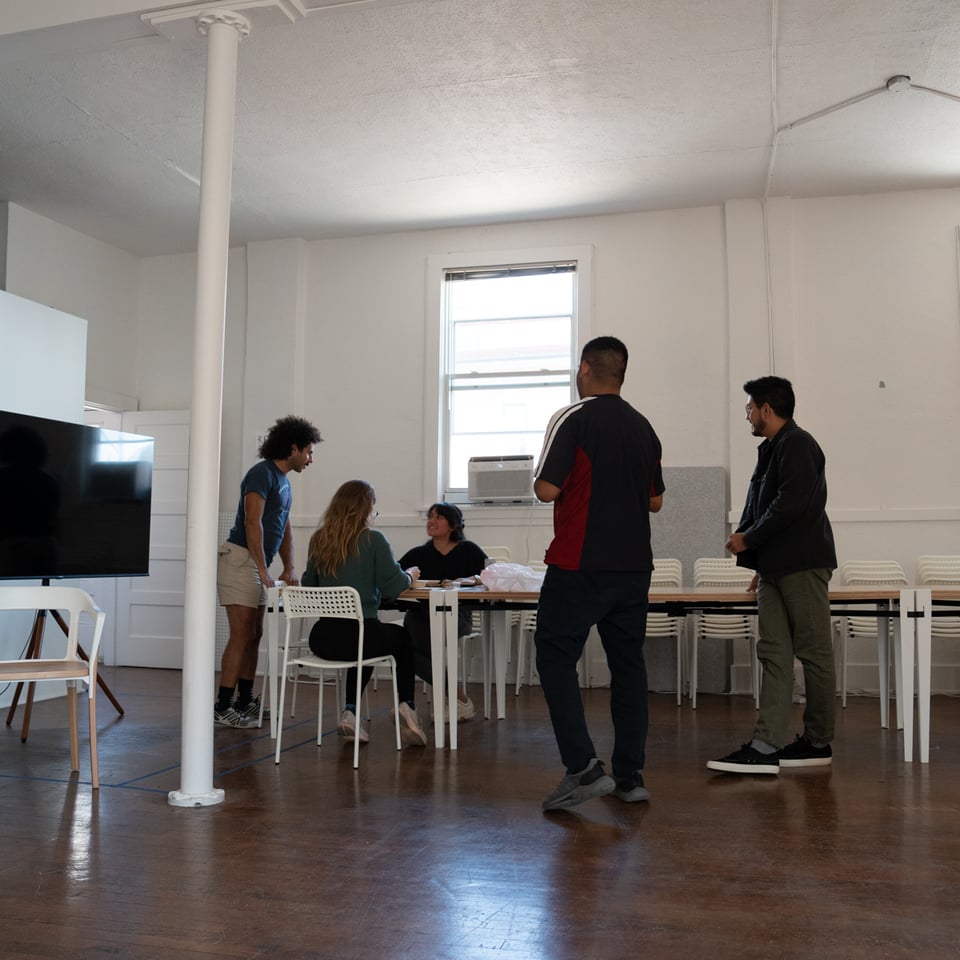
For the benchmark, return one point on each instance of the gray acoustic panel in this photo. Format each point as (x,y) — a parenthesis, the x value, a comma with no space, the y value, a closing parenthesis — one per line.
(692,524)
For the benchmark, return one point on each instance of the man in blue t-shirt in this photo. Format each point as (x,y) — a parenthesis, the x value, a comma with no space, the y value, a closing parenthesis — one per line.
(600,467)
(261,531)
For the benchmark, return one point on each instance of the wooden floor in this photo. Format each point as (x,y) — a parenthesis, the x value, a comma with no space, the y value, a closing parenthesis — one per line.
(428,855)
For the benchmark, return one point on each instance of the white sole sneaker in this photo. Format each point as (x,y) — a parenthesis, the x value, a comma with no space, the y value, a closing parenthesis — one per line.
(411,733)
(347,728)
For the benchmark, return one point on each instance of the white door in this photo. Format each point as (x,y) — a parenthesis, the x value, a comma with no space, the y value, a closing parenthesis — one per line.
(149,613)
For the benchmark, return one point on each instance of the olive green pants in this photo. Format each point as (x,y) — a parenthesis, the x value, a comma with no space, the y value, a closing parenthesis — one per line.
(794,621)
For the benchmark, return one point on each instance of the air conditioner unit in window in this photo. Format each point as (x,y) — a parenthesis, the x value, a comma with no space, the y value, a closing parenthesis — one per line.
(498,479)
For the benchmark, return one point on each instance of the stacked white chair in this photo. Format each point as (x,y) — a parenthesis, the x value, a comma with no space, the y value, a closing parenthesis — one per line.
(865,573)
(933,571)
(312,603)
(668,573)
(723,572)
(526,623)
(942,570)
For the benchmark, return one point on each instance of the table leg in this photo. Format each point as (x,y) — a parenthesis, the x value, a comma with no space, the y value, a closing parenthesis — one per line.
(923,604)
(883,661)
(486,628)
(501,653)
(907,646)
(273,656)
(437,649)
(453,641)
(897,666)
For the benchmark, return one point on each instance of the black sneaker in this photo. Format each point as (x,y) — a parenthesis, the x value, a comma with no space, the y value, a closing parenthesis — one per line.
(577,787)
(802,753)
(252,710)
(631,789)
(231,718)
(746,760)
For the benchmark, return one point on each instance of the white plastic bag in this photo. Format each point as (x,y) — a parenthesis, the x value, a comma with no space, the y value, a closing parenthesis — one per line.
(511,576)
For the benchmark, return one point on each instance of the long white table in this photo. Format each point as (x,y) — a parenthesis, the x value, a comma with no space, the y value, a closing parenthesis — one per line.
(881,601)
(910,609)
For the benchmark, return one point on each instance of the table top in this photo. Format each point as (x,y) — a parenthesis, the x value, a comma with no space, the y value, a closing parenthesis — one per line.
(866,593)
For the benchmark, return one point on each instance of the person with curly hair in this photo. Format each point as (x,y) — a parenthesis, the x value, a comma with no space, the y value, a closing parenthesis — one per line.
(261,531)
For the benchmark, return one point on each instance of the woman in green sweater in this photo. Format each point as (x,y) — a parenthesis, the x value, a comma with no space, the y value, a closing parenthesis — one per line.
(346,552)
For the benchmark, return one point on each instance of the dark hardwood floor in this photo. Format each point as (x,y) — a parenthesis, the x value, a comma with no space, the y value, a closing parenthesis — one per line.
(427,854)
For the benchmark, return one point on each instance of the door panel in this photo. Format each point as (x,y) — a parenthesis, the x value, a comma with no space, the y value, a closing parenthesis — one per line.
(150,609)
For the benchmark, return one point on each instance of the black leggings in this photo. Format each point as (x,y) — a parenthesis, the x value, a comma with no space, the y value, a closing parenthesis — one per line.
(337,640)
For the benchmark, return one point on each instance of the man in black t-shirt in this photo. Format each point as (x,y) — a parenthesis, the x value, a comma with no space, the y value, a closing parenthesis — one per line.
(600,467)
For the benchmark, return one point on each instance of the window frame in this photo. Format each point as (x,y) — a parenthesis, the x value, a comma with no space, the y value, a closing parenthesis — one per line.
(435,440)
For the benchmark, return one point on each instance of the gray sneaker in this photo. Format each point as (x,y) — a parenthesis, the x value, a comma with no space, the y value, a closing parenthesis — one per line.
(230,718)
(577,787)
(631,789)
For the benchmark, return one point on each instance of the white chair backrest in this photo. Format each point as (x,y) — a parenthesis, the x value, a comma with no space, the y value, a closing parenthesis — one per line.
(938,569)
(73,600)
(497,553)
(331,602)
(719,572)
(887,572)
(528,620)
(667,572)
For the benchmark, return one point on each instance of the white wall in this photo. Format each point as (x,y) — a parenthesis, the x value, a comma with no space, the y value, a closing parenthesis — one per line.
(41,374)
(57,266)
(863,289)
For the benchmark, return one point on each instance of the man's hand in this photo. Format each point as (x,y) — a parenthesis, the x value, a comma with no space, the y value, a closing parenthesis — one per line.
(736,543)
(290,578)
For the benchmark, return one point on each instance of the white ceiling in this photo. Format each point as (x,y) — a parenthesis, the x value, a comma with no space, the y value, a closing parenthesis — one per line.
(387,115)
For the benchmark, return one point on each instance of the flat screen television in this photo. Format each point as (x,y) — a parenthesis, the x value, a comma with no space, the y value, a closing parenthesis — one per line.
(74,500)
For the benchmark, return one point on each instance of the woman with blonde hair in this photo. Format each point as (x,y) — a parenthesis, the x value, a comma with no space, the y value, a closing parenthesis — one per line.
(346,552)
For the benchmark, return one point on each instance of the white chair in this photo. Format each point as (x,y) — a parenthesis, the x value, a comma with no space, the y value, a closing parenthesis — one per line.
(862,573)
(342,603)
(723,572)
(497,553)
(73,667)
(526,624)
(526,650)
(944,570)
(935,571)
(932,572)
(668,573)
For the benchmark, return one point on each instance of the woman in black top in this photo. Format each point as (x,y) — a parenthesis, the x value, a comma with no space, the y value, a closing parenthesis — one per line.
(445,556)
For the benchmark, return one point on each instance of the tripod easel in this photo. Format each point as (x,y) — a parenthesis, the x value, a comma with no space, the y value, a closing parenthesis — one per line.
(32,653)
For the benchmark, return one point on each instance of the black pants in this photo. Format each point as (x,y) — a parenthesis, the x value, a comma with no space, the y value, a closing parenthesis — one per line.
(571,601)
(337,640)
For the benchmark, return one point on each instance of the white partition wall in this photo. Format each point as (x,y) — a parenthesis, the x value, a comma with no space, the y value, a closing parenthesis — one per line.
(42,373)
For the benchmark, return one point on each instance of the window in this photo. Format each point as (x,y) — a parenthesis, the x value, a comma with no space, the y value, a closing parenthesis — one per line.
(507,346)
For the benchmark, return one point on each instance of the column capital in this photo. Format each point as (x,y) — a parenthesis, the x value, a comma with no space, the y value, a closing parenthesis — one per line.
(182,22)
(240,23)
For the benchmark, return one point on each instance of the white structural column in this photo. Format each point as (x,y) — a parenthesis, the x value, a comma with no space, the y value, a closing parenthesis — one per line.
(224,30)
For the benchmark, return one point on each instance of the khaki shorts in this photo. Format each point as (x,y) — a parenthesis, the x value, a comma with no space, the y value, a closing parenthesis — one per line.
(238,582)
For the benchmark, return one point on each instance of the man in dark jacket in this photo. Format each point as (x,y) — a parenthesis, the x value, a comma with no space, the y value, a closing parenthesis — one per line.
(784,535)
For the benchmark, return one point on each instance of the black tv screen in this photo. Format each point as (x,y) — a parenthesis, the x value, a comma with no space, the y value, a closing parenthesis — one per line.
(74,500)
